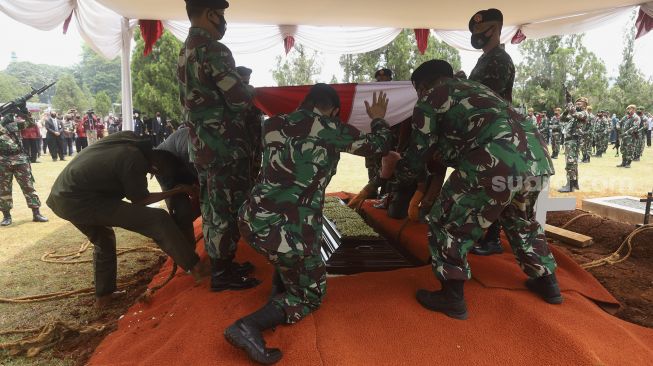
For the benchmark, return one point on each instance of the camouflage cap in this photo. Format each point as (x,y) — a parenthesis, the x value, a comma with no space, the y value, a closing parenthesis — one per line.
(557,109)
(589,108)
(631,106)
(212,4)
(640,109)
(530,109)
(482,16)
(583,100)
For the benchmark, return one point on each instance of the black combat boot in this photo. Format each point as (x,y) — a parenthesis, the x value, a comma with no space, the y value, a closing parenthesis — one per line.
(6,221)
(627,163)
(574,185)
(636,158)
(588,158)
(554,156)
(450,300)
(245,334)
(569,187)
(490,244)
(623,163)
(37,217)
(227,275)
(547,287)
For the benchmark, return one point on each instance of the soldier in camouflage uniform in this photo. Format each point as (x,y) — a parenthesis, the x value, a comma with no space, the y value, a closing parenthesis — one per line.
(214,98)
(531,118)
(604,126)
(576,116)
(543,128)
(587,137)
(556,133)
(283,218)
(500,165)
(640,140)
(254,121)
(495,70)
(14,162)
(627,128)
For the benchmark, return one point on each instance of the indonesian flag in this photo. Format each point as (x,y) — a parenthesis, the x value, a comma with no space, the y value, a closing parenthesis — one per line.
(401,95)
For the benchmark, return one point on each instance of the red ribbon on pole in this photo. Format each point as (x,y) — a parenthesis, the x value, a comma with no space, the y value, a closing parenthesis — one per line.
(151,30)
(644,23)
(518,38)
(66,22)
(288,43)
(422,37)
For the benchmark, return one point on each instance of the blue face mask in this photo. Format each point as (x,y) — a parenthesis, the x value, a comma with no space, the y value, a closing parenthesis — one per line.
(221,27)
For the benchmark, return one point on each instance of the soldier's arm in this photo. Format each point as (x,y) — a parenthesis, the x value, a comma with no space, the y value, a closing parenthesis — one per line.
(378,141)
(237,96)
(420,149)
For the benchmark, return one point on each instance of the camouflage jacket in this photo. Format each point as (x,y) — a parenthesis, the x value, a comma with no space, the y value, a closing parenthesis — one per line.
(602,126)
(556,127)
(532,120)
(496,71)
(213,98)
(576,120)
(588,127)
(300,155)
(643,125)
(459,118)
(11,142)
(544,126)
(628,127)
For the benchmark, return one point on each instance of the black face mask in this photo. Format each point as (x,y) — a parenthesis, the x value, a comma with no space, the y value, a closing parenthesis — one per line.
(578,109)
(222,27)
(479,40)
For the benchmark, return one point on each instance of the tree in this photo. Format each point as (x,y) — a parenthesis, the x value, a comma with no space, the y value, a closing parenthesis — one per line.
(401,56)
(102,103)
(298,68)
(98,74)
(155,77)
(69,95)
(36,76)
(11,88)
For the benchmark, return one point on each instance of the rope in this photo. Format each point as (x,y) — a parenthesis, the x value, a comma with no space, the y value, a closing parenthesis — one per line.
(70,258)
(60,295)
(45,337)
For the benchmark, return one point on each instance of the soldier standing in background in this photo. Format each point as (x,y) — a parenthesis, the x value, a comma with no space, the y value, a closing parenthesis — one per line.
(556,133)
(254,121)
(544,127)
(587,139)
(577,117)
(15,163)
(213,99)
(641,134)
(531,118)
(627,127)
(495,70)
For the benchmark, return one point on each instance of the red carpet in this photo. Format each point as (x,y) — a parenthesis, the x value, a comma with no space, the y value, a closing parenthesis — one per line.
(373,319)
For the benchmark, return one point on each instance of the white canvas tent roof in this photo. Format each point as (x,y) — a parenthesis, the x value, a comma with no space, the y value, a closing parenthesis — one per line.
(334,26)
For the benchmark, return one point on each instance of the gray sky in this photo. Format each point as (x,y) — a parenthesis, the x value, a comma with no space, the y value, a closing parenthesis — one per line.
(54,48)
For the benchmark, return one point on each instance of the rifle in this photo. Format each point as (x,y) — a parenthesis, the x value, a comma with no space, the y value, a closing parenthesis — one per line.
(19,105)
(568,98)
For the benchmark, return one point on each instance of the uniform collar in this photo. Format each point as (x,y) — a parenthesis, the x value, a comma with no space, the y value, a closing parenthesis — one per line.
(199,32)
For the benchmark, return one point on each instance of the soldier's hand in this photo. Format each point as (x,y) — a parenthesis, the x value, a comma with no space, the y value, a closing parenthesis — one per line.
(379,106)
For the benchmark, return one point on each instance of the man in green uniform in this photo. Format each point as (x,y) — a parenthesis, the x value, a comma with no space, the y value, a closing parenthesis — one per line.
(627,128)
(640,138)
(602,133)
(495,70)
(89,193)
(576,117)
(214,98)
(531,118)
(283,218)
(556,133)
(586,136)
(543,127)
(500,165)
(14,162)
(254,121)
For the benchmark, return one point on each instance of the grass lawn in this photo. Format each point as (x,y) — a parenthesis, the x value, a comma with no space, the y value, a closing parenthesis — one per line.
(23,243)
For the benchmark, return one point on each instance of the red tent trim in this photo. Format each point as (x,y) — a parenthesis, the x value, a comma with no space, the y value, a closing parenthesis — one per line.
(644,23)
(422,37)
(151,30)
(288,43)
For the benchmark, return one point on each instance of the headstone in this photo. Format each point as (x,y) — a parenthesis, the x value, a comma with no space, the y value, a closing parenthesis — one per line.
(545,204)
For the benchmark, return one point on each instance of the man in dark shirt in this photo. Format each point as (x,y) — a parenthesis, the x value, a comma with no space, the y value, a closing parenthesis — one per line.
(495,70)
(89,193)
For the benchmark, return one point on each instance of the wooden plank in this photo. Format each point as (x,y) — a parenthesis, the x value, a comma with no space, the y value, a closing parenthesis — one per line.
(568,237)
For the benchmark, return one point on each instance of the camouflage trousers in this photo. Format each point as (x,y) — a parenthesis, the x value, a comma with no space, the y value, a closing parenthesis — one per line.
(466,207)
(223,189)
(627,149)
(586,145)
(602,143)
(640,142)
(297,259)
(555,144)
(23,174)
(571,158)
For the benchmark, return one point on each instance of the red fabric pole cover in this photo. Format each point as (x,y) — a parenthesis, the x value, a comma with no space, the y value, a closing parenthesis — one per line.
(644,23)
(286,99)
(288,43)
(151,30)
(422,37)
(66,22)
(518,38)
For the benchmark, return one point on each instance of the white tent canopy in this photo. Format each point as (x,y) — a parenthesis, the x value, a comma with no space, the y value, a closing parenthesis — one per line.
(334,26)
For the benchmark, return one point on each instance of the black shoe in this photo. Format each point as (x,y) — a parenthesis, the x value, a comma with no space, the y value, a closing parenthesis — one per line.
(246,334)
(224,276)
(547,287)
(243,269)
(450,300)
(636,159)
(278,287)
(489,247)
(37,217)
(574,185)
(6,221)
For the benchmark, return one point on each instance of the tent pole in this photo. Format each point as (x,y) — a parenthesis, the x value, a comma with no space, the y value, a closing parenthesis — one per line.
(125,76)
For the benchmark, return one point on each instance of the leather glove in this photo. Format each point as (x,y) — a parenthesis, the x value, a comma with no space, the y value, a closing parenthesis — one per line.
(413,206)
(356,202)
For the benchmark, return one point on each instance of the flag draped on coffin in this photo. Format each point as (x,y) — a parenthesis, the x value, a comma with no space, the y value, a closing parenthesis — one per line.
(401,95)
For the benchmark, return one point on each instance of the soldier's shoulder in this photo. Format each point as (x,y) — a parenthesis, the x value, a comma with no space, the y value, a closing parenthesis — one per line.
(217,49)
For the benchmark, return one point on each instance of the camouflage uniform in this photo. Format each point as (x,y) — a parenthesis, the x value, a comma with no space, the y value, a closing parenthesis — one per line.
(641,137)
(544,129)
(627,127)
(14,162)
(496,71)
(556,134)
(587,138)
(283,217)
(468,128)
(214,98)
(575,122)
(532,120)
(603,130)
